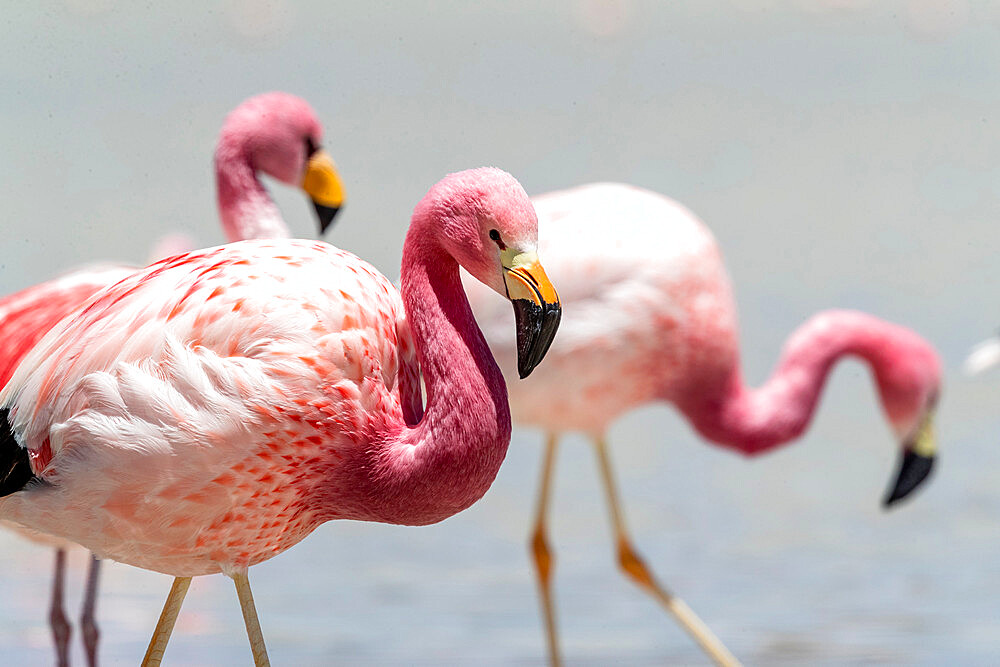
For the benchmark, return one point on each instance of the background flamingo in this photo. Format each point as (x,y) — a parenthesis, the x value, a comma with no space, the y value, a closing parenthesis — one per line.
(983,356)
(650,317)
(275,133)
(208,412)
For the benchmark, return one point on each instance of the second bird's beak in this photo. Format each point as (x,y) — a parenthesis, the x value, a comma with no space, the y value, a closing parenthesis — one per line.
(537,310)
(323,185)
(916,461)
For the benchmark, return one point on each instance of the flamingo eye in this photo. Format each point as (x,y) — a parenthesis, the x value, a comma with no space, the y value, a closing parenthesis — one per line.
(495,236)
(311,148)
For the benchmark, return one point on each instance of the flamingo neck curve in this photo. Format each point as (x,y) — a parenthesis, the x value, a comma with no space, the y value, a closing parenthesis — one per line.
(905,368)
(245,208)
(449,459)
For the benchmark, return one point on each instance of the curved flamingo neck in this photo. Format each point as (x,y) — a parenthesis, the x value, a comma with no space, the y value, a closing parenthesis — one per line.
(245,207)
(757,420)
(448,460)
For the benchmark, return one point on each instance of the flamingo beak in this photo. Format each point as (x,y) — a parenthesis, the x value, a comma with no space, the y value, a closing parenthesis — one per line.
(916,462)
(537,309)
(323,185)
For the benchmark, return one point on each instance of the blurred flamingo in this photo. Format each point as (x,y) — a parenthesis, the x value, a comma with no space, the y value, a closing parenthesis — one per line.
(275,133)
(983,356)
(211,410)
(650,317)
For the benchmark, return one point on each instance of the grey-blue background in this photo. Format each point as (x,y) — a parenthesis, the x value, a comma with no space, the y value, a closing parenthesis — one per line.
(844,152)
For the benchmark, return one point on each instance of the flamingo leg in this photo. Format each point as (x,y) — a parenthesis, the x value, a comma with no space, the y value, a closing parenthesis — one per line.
(635,568)
(161,635)
(61,628)
(541,553)
(88,619)
(250,619)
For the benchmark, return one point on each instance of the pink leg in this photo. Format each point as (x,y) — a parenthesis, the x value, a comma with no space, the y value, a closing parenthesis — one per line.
(57,617)
(88,620)
(542,554)
(633,566)
(165,626)
(257,647)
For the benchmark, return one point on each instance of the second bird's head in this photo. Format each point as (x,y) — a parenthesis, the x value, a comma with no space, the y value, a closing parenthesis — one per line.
(909,397)
(280,135)
(489,226)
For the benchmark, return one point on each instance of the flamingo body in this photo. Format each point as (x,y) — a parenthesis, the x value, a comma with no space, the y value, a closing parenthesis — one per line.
(211,410)
(650,316)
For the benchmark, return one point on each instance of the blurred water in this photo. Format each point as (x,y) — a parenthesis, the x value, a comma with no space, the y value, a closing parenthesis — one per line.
(843,151)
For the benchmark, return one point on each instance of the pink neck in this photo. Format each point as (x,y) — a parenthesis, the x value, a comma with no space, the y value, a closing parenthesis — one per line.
(246,210)
(906,370)
(448,460)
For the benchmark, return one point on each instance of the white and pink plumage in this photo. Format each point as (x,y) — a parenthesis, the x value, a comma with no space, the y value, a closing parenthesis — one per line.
(275,133)
(650,317)
(211,410)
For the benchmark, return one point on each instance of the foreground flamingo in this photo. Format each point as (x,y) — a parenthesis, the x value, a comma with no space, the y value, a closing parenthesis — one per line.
(275,133)
(650,317)
(208,412)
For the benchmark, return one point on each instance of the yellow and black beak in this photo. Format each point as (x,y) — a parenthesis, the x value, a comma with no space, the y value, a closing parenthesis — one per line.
(323,185)
(537,310)
(916,461)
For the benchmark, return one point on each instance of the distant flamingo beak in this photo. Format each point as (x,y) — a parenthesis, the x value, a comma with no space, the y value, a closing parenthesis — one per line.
(325,214)
(323,185)
(537,309)
(916,462)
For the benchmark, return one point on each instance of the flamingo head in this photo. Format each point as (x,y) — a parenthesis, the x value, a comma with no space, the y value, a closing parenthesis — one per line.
(280,135)
(909,397)
(491,229)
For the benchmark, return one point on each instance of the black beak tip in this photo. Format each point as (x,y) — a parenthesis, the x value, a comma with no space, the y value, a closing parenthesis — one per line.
(326,214)
(914,470)
(536,327)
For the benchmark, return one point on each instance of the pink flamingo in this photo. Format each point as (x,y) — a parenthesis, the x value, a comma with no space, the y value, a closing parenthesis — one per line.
(211,410)
(650,317)
(275,133)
